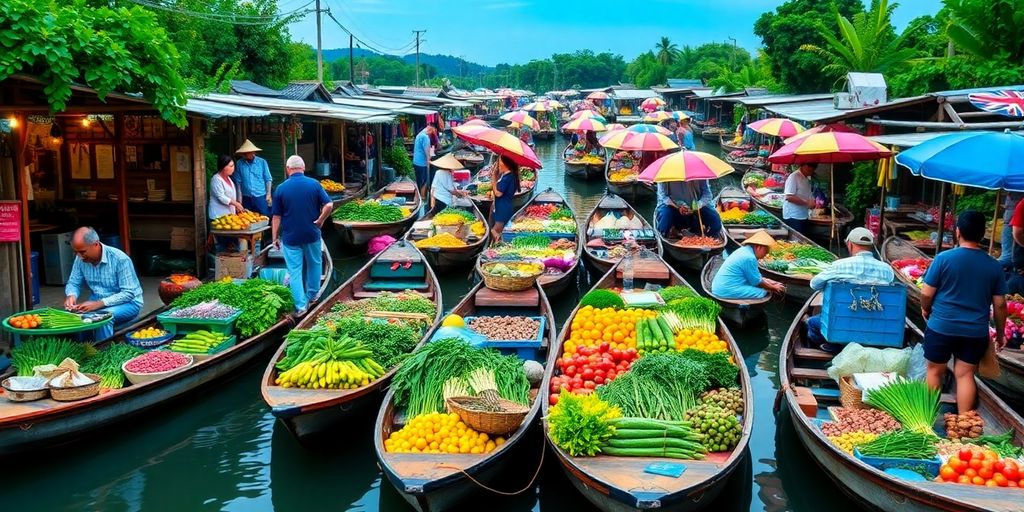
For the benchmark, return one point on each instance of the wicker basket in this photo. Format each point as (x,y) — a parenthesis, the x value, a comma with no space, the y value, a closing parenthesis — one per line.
(849,395)
(506,283)
(23,396)
(497,423)
(77,392)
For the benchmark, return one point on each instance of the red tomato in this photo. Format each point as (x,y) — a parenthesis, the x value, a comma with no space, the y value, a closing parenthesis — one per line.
(587,374)
(1011,472)
(603,347)
(999,466)
(598,380)
(577,383)
(571,370)
(630,353)
(600,373)
(966,454)
(610,375)
(589,384)
(616,354)
(553,399)
(555,386)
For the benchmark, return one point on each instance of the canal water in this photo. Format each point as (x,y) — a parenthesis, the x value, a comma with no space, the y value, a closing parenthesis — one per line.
(221,449)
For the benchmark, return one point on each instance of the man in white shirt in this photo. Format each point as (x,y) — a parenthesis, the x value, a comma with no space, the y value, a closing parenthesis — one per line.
(799,198)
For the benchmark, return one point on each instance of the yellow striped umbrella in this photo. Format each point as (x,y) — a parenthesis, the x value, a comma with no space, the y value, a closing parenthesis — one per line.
(657,117)
(685,166)
(639,137)
(587,114)
(652,103)
(776,127)
(830,148)
(588,124)
(523,118)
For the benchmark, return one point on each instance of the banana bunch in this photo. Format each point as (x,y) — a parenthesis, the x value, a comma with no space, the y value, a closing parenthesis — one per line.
(345,374)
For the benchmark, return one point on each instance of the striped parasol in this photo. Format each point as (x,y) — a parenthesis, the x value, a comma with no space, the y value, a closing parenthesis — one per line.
(500,142)
(685,166)
(830,148)
(776,127)
(537,106)
(588,114)
(614,126)
(639,137)
(588,124)
(652,104)
(823,128)
(598,95)
(680,115)
(476,122)
(657,117)
(523,118)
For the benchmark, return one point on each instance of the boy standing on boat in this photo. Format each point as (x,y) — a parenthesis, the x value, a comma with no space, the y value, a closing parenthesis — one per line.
(796,207)
(421,150)
(300,208)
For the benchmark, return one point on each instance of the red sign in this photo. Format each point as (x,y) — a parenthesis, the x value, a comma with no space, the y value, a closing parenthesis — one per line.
(10,221)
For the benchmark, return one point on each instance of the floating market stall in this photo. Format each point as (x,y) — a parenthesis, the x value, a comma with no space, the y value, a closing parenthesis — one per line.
(892,443)
(909,264)
(481,189)
(453,238)
(1010,382)
(459,415)
(208,332)
(545,112)
(342,355)
(626,162)
(389,211)
(544,233)
(611,225)
(765,188)
(621,392)
(582,161)
(741,312)
(501,143)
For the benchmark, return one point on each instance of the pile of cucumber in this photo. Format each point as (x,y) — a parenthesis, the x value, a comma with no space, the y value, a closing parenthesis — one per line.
(198,342)
(654,335)
(642,437)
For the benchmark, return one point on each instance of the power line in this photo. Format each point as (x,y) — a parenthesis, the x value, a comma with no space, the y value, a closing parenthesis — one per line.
(355,28)
(231,19)
(356,38)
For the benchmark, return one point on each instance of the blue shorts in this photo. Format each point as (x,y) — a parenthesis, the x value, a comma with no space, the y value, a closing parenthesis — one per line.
(422,175)
(938,348)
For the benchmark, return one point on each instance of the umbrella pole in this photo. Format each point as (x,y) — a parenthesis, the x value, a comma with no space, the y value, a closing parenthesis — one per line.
(881,212)
(995,219)
(942,218)
(701,221)
(832,203)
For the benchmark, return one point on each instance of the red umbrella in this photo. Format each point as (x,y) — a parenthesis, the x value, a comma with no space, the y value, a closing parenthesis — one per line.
(500,142)
(821,128)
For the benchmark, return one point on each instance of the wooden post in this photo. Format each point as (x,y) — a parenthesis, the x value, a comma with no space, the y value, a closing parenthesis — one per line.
(942,218)
(881,213)
(20,142)
(120,172)
(199,199)
(995,219)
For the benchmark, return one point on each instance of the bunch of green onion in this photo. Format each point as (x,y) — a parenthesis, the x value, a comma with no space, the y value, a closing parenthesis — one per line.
(901,444)
(911,402)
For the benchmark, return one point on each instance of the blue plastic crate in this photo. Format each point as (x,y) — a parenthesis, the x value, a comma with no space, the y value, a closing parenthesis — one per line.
(924,467)
(183,326)
(842,324)
(523,349)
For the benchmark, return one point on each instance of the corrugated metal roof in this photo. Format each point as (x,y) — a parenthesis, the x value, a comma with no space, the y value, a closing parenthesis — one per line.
(823,110)
(685,83)
(215,110)
(964,92)
(909,140)
(633,94)
(778,99)
(253,89)
(307,108)
(416,111)
(306,91)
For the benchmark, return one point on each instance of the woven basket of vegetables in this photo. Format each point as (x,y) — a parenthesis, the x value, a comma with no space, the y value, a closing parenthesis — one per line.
(849,395)
(499,281)
(473,412)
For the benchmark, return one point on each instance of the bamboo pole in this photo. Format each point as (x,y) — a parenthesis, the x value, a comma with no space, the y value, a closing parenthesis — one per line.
(995,220)
(941,219)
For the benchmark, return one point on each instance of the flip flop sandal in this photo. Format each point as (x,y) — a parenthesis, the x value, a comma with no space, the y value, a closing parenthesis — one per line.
(407,265)
(395,265)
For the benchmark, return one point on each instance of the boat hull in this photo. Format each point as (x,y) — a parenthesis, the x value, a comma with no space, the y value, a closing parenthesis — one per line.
(584,171)
(309,425)
(354,236)
(690,257)
(544,135)
(450,259)
(633,190)
(1010,383)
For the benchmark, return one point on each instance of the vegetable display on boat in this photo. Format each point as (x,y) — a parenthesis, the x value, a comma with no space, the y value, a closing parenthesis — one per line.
(370,210)
(913,268)
(623,167)
(796,258)
(543,234)
(451,228)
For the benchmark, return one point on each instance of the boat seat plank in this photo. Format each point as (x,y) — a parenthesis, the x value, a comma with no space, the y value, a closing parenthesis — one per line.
(647,269)
(394,285)
(430,466)
(628,472)
(367,294)
(489,297)
(811,353)
(740,234)
(808,373)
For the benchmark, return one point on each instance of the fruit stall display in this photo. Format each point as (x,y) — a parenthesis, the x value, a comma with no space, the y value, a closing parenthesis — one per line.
(451,227)
(331,186)
(544,218)
(524,252)
(740,212)
(243,221)
(899,431)
(635,382)
(370,210)
(355,343)
(624,167)
(1014,330)
(912,268)
(797,258)
(580,158)
(46,318)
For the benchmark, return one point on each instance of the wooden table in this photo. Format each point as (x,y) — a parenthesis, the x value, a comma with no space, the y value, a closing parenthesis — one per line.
(892,226)
(249,236)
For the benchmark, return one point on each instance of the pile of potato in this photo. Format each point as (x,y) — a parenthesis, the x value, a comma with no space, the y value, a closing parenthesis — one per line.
(967,425)
(848,420)
(506,328)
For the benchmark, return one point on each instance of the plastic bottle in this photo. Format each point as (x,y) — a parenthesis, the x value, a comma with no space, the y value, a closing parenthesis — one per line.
(627,271)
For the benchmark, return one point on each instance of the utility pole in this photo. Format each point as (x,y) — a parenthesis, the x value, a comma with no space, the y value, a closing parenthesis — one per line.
(351,61)
(319,47)
(732,58)
(418,32)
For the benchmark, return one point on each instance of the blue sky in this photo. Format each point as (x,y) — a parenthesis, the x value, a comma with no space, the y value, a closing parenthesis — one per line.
(515,31)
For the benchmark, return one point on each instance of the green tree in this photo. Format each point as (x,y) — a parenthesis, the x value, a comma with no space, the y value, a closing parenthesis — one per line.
(109,49)
(988,29)
(792,25)
(667,51)
(867,43)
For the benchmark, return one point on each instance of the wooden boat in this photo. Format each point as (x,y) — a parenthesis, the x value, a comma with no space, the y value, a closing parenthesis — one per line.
(629,190)
(47,423)
(1010,383)
(307,412)
(691,256)
(553,284)
(620,483)
(714,134)
(440,481)
(469,158)
(741,163)
(797,286)
(819,226)
(485,201)
(548,134)
(741,312)
(729,147)
(803,365)
(597,258)
(895,248)
(446,259)
(357,233)
(579,169)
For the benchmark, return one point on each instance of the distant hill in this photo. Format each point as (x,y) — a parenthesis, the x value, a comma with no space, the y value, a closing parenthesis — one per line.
(445,64)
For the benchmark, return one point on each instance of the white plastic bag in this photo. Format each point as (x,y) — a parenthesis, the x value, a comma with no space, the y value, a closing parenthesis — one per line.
(856,358)
(917,367)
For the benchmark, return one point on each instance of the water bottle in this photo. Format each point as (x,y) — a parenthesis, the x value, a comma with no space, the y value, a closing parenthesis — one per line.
(627,271)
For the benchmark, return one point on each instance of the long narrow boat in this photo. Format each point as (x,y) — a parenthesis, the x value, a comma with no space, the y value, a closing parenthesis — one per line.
(579,168)
(895,248)
(358,233)
(471,159)
(307,412)
(740,163)
(544,134)
(714,134)
(797,285)
(447,259)
(630,190)
(620,483)
(553,284)
(729,147)
(803,365)
(596,256)
(46,423)
(691,256)
(741,312)
(352,192)
(819,226)
(440,481)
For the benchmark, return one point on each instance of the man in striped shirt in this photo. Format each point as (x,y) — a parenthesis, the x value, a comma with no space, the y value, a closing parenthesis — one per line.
(110,276)
(861,267)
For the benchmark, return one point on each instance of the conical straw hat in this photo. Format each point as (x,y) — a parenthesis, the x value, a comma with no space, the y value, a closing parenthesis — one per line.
(248,147)
(448,162)
(761,237)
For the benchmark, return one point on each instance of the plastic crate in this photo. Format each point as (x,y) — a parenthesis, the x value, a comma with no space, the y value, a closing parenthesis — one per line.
(186,325)
(523,349)
(226,344)
(926,467)
(841,324)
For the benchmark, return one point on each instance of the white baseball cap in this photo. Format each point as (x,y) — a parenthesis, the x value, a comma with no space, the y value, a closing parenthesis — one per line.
(860,236)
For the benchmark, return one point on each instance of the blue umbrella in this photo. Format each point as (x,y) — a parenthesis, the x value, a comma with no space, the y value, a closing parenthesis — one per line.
(992,160)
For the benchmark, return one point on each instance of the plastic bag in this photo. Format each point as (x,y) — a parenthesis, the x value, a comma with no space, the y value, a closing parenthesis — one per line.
(379,243)
(473,338)
(917,367)
(856,358)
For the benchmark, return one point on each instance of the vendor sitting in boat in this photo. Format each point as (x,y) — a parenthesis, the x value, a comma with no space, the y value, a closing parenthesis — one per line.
(111,278)
(861,267)
(687,205)
(739,277)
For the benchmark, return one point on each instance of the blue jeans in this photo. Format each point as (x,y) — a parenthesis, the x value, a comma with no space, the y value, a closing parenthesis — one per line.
(256,204)
(669,217)
(800,225)
(422,175)
(124,314)
(304,267)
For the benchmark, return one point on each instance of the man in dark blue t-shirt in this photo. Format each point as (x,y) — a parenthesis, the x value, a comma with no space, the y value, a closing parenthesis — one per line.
(300,208)
(960,286)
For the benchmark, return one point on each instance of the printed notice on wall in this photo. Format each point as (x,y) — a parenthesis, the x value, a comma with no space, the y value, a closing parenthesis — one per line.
(10,221)
(104,161)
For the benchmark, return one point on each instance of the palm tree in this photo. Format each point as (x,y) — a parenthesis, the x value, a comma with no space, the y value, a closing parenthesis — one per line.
(868,43)
(667,51)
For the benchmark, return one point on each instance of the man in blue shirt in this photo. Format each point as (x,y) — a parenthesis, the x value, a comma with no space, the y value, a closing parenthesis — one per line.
(252,174)
(300,208)
(678,205)
(960,286)
(111,279)
(421,157)
(687,134)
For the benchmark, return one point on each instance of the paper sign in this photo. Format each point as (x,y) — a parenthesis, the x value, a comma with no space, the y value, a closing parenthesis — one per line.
(104,161)
(10,221)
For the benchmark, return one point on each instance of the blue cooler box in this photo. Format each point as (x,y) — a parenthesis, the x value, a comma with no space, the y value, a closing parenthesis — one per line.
(844,319)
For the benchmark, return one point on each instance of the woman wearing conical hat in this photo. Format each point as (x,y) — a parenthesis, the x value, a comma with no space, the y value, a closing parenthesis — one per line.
(739,276)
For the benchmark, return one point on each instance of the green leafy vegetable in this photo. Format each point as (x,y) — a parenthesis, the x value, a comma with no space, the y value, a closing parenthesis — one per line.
(368,211)
(602,298)
(901,444)
(107,364)
(580,424)
(45,350)
(671,293)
